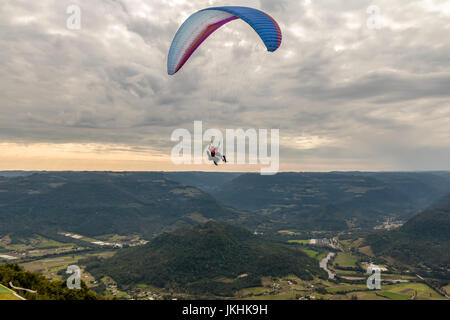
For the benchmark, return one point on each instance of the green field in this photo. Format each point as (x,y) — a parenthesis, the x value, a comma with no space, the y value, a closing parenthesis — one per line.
(402,291)
(321,255)
(278,296)
(365,295)
(310,253)
(350,273)
(394,296)
(6,294)
(292,287)
(345,260)
(49,267)
(316,254)
(367,251)
(252,291)
(346,287)
(299,241)
(420,290)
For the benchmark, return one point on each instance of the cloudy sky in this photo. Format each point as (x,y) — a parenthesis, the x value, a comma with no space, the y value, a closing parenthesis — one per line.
(345,95)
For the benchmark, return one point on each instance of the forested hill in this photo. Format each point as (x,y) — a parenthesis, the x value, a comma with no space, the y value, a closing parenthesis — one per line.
(423,241)
(96,203)
(334,201)
(210,258)
(148,203)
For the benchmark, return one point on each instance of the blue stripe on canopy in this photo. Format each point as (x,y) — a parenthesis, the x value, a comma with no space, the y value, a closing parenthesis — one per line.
(266,27)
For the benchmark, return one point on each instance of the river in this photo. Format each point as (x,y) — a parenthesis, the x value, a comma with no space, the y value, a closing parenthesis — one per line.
(324,262)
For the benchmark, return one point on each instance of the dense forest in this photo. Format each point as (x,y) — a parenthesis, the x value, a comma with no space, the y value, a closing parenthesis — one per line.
(208,258)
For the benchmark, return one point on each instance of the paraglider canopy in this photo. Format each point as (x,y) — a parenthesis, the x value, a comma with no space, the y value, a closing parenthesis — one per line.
(199,26)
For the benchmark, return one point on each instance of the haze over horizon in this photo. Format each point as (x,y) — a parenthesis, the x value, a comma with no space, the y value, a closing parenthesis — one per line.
(344,96)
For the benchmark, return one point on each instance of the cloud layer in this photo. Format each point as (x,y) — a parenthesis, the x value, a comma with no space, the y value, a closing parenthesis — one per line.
(344,95)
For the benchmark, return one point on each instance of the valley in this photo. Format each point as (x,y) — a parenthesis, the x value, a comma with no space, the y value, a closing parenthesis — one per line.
(306,237)
(347,265)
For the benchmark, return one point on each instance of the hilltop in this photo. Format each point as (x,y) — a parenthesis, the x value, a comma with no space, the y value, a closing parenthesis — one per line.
(210,258)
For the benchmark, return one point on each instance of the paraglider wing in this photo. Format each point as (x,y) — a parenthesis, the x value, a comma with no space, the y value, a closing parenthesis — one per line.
(198,27)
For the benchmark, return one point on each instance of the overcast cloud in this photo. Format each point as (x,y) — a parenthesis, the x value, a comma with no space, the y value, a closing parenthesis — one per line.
(344,96)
